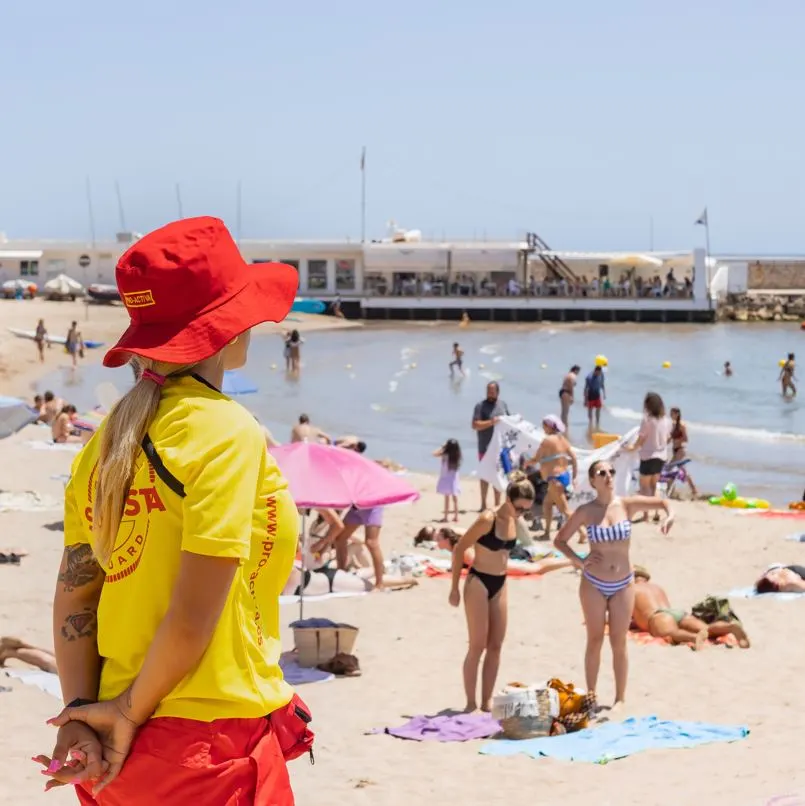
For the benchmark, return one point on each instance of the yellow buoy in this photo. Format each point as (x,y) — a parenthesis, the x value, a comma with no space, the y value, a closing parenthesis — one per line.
(348,366)
(480,366)
(273,366)
(666,365)
(543,366)
(413,365)
(781,362)
(601,361)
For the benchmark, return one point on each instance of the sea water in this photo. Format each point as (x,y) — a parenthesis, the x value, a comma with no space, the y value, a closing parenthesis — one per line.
(392,387)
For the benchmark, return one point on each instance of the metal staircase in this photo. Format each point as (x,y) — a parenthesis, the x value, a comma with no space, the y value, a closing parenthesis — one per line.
(555,265)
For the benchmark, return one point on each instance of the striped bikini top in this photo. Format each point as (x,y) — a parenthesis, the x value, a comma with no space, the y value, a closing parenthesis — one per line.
(622,530)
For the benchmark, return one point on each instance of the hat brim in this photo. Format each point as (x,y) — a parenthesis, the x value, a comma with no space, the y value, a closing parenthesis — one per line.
(267,296)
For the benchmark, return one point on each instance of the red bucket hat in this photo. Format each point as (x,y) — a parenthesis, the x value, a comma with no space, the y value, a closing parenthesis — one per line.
(189,292)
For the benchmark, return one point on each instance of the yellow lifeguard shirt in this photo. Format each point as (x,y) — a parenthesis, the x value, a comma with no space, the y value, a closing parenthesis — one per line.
(237,504)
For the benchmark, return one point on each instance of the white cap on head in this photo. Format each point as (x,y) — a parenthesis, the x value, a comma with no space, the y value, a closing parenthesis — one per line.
(554,422)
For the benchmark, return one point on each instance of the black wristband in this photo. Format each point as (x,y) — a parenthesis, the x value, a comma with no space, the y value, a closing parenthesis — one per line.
(78,701)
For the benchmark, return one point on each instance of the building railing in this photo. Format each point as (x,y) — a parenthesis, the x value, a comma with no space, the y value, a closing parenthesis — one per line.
(548,290)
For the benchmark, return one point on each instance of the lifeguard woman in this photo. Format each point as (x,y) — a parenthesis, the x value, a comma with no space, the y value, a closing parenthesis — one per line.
(180,533)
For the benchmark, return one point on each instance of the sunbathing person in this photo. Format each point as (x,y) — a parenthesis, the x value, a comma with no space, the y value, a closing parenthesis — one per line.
(14,649)
(653,614)
(447,539)
(62,427)
(782,579)
(325,579)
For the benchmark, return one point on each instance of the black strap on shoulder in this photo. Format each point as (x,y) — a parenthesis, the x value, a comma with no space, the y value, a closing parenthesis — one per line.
(153,457)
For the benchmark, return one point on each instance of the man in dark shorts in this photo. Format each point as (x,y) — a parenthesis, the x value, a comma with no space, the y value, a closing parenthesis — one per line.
(484,419)
(594,395)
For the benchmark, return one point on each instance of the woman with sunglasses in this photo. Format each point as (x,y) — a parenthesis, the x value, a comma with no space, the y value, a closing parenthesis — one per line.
(607,581)
(492,536)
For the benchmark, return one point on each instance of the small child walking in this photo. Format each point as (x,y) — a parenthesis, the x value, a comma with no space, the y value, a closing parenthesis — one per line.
(448,484)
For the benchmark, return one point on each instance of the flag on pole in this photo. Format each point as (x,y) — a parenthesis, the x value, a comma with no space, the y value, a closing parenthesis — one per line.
(702,219)
(363,158)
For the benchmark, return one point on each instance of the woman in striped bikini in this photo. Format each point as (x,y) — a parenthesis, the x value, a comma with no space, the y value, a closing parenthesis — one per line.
(607,581)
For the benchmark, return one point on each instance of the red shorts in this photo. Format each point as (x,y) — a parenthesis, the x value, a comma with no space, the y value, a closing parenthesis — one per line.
(594,403)
(183,762)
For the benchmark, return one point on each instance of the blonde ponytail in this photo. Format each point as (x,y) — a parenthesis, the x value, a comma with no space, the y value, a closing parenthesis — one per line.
(124,429)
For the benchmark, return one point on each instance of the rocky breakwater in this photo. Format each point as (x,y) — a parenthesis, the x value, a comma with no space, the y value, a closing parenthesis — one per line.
(762,308)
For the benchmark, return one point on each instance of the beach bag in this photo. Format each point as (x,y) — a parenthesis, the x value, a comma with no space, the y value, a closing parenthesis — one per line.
(291,725)
(525,712)
(714,608)
(575,708)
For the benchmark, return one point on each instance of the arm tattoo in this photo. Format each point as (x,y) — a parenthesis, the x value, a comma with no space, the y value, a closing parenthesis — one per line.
(79,567)
(83,624)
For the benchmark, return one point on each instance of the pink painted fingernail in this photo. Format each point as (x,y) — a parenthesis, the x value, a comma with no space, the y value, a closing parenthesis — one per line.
(51,721)
(55,765)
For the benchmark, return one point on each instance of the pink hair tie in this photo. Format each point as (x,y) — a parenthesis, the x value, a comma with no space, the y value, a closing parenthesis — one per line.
(150,375)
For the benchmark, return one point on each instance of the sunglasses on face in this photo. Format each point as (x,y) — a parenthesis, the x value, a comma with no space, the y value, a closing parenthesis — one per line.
(521,510)
(605,473)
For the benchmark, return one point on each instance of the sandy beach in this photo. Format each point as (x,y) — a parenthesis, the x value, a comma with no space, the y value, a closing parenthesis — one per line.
(411,646)
(19,362)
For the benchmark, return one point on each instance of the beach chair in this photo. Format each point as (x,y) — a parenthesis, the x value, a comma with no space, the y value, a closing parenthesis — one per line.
(672,474)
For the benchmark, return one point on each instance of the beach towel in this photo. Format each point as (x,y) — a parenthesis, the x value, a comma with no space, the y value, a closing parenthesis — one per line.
(296,675)
(452,728)
(751,593)
(614,740)
(44,681)
(799,537)
(784,514)
(291,599)
(647,639)
(68,447)
(28,501)
(786,800)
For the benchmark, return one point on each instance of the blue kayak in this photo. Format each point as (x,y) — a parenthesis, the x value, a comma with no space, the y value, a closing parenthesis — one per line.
(302,305)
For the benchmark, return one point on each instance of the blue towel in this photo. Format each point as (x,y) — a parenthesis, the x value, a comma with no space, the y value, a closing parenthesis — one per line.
(614,740)
(751,593)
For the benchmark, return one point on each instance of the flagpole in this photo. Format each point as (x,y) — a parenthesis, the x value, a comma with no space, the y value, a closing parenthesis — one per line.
(239,210)
(363,195)
(90,212)
(120,210)
(179,200)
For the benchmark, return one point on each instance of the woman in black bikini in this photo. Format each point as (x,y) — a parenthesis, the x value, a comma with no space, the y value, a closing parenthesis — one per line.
(485,597)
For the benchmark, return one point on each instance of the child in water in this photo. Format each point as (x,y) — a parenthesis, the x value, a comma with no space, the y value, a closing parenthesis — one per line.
(448,484)
(727,369)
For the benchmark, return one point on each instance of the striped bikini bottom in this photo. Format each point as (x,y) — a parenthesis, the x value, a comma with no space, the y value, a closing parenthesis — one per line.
(606,588)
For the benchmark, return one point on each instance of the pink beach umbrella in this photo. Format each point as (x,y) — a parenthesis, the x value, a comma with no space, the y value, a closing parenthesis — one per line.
(328,477)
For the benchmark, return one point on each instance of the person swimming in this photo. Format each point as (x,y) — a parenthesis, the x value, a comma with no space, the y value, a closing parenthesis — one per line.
(566,393)
(727,369)
(787,376)
(458,360)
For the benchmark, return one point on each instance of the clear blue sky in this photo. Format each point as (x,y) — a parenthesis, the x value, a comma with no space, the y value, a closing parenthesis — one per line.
(579,119)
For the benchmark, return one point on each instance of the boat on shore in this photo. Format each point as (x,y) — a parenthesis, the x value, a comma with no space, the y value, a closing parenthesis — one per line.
(98,292)
(31,335)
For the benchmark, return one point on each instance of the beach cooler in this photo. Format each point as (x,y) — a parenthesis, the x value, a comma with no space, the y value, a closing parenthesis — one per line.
(319,640)
(600,439)
(525,712)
